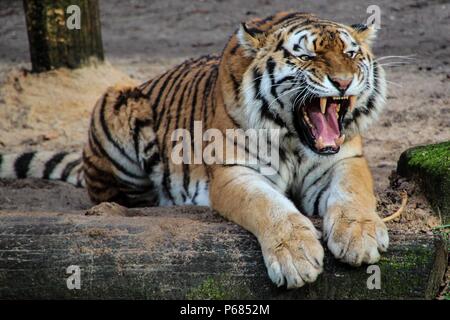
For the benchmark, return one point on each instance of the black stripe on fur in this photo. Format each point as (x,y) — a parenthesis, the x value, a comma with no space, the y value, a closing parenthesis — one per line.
(22,164)
(51,164)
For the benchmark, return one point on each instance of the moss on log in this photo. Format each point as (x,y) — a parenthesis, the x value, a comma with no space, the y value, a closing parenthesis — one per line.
(430,167)
(53,41)
(185,252)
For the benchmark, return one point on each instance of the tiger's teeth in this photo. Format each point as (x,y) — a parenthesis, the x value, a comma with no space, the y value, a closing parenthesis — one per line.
(319,143)
(340,98)
(339,141)
(352,103)
(305,116)
(323,105)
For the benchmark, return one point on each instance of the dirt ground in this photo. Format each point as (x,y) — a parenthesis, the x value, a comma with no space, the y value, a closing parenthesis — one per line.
(143,38)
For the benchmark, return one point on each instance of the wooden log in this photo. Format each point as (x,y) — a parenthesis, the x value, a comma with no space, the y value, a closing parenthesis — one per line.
(184,252)
(53,42)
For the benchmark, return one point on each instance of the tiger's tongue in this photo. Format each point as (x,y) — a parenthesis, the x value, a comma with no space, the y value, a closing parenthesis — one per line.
(326,125)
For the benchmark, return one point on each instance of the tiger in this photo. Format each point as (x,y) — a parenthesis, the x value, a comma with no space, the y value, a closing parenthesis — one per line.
(313,80)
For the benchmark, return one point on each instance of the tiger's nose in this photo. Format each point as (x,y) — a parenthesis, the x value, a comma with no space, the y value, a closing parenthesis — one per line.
(341,83)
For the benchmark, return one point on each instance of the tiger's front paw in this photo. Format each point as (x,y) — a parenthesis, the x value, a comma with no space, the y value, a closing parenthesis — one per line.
(355,237)
(293,254)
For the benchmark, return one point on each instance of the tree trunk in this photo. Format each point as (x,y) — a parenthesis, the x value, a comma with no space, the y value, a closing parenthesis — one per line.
(53,34)
(185,252)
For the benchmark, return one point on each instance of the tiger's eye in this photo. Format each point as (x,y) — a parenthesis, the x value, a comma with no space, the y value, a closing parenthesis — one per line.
(305,57)
(351,54)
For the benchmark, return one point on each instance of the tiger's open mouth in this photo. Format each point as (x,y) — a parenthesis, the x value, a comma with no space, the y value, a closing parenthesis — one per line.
(321,121)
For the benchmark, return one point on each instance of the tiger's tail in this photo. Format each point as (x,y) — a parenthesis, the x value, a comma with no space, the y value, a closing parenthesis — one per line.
(64,166)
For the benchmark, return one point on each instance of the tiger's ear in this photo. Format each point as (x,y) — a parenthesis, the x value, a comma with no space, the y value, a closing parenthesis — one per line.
(365,33)
(251,39)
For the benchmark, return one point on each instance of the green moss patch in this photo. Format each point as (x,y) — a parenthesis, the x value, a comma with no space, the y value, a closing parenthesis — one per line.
(221,287)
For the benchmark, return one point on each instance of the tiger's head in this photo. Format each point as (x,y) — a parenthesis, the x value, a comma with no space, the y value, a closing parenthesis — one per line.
(314,78)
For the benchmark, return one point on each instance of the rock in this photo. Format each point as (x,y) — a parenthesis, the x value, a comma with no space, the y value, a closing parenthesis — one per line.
(429,166)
